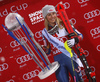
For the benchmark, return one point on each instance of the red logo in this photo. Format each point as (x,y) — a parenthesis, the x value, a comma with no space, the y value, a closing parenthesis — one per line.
(50,10)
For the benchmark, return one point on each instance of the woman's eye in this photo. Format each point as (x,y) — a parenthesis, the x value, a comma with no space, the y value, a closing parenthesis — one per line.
(54,13)
(49,14)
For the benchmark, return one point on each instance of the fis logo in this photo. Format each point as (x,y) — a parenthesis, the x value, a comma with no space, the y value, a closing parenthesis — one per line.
(92,14)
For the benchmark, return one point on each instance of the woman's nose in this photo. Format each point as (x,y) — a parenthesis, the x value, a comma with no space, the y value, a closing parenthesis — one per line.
(52,15)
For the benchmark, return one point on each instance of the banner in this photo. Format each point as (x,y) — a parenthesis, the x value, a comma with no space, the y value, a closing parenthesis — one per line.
(17,66)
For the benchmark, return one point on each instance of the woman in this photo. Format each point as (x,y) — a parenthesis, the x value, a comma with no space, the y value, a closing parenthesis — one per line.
(54,36)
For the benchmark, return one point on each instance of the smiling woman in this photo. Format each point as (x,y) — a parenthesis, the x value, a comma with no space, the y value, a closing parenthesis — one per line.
(52,17)
(54,29)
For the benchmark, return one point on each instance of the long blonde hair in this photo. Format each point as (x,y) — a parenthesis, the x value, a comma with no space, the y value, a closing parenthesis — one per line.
(59,22)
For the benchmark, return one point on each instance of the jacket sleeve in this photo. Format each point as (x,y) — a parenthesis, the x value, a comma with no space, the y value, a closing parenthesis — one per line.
(78,34)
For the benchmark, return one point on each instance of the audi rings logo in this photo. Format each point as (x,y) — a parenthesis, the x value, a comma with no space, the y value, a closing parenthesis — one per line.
(66,5)
(11,80)
(31,74)
(38,34)
(23,59)
(3,66)
(82,1)
(87,53)
(92,14)
(73,20)
(0,49)
(14,43)
(93,68)
(95,31)
(83,71)
(98,48)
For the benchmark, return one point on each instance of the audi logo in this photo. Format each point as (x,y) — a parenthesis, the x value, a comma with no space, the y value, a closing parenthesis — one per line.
(3,66)
(83,71)
(82,1)
(31,74)
(14,43)
(73,20)
(0,49)
(11,80)
(38,34)
(95,31)
(93,68)
(98,48)
(66,5)
(78,70)
(23,59)
(92,14)
(87,53)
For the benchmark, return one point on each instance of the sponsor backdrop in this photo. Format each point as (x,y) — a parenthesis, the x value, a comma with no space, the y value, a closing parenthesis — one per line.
(17,66)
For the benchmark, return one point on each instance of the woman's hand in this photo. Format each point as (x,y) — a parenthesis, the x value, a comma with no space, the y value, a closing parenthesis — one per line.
(46,49)
(71,42)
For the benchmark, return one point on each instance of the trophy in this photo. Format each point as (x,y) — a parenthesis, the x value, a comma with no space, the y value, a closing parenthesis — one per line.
(17,29)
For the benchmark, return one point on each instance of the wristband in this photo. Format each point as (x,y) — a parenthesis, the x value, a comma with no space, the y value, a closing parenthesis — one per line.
(76,40)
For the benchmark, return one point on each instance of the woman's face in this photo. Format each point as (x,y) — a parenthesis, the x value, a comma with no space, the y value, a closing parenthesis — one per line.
(51,17)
